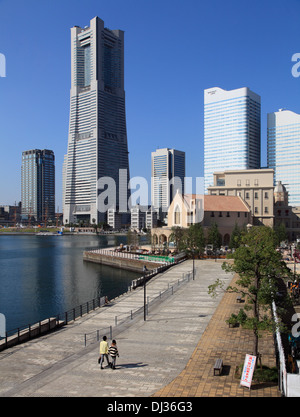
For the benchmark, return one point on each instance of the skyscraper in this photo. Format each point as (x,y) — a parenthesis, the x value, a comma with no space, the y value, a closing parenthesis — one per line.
(284,151)
(38,185)
(168,173)
(231,131)
(97,142)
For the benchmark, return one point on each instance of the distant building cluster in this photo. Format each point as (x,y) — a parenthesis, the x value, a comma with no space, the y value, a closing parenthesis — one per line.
(237,190)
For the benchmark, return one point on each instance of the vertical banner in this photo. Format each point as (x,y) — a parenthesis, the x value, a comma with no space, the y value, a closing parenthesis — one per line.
(247,374)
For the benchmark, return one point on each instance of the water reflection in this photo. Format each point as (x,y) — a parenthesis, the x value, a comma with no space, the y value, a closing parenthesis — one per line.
(41,276)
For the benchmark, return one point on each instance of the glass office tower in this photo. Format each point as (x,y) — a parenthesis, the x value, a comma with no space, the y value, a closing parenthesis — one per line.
(168,173)
(231,131)
(97,142)
(284,151)
(38,185)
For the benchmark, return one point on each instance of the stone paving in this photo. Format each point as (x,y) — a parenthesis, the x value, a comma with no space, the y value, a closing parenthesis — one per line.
(170,354)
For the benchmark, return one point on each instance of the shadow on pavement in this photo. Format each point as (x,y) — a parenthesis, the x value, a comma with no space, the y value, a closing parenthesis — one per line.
(131,365)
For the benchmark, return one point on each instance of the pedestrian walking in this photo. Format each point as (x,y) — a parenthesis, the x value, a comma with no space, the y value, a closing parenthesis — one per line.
(103,352)
(113,352)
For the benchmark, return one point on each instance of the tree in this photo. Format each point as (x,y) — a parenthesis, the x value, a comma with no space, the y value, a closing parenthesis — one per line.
(178,237)
(259,267)
(132,238)
(235,238)
(95,225)
(214,237)
(195,240)
(281,233)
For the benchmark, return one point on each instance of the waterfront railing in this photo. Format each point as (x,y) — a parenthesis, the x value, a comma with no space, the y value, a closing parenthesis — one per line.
(124,319)
(24,333)
(30,331)
(136,256)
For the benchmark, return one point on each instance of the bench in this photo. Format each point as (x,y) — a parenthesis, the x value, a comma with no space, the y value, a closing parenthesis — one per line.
(239,299)
(218,366)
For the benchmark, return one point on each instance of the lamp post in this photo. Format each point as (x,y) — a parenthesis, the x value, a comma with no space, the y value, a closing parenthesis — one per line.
(144,272)
(193,264)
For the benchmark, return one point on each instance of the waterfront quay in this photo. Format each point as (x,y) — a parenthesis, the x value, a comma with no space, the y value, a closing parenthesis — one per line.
(171,353)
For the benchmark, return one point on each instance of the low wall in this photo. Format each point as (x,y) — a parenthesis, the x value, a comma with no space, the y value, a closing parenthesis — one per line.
(29,333)
(135,265)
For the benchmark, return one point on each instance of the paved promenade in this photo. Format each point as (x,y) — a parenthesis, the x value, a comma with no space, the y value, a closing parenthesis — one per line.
(170,354)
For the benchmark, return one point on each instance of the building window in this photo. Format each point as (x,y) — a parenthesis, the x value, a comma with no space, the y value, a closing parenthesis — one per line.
(255,182)
(248,183)
(247,196)
(212,214)
(227,215)
(220,214)
(266,210)
(256,210)
(177,215)
(256,196)
(245,214)
(266,195)
(238,214)
(239,183)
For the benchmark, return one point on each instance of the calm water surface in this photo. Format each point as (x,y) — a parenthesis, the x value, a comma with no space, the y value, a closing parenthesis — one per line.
(42,276)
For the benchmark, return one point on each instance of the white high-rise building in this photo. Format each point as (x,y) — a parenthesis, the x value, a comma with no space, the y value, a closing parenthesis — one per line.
(168,173)
(97,142)
(284,151)
(231,131)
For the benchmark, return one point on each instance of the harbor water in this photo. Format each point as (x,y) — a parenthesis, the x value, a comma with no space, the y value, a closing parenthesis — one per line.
(42,276)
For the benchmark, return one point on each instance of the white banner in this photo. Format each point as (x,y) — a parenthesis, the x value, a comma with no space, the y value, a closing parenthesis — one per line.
(247,374)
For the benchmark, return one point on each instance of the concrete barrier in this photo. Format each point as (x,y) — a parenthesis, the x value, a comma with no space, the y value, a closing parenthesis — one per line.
(116,261)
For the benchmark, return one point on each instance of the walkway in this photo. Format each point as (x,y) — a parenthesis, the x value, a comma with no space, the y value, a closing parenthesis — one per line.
(161,356)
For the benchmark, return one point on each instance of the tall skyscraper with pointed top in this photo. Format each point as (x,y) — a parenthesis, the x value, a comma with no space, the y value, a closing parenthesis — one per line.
(97,141)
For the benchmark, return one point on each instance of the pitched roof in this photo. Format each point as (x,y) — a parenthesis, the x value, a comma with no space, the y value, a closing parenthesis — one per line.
(220,202)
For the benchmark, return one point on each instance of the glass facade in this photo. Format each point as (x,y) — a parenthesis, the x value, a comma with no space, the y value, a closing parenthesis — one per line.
(38,185)
(168,174)
(284,151)
(231,131)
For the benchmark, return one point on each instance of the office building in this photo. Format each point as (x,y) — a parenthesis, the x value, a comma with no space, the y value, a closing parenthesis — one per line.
(114,219)
(97,141)
(254,186)
(138,217)
(284,151)
(231,131)
(167,176)
(38,185)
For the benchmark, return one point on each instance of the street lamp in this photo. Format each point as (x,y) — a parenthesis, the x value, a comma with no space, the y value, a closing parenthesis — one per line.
(144,272)
(193,264)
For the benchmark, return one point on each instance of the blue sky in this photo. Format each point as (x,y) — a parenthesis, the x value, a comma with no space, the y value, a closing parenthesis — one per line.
(173,51)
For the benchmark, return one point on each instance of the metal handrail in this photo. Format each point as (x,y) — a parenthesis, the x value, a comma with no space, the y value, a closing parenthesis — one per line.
(169,291)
